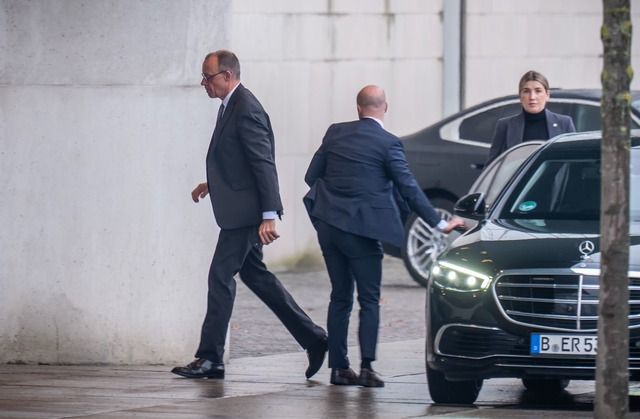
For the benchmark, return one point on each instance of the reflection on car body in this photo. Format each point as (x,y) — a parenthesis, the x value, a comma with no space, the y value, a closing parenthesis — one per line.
(517,296)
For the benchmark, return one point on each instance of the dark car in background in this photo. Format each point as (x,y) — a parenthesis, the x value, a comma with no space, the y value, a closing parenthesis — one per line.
(448,156)
(517,295)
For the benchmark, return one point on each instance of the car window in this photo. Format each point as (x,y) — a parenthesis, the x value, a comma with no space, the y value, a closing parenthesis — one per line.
(486,177)
(506,170)
(495,177)
(585,117)
(566,186)
(480,127)
(563,189)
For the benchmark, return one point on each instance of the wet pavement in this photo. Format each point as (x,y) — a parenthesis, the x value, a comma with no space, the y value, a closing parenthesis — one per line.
(255,331)
(265,376)
(266,387)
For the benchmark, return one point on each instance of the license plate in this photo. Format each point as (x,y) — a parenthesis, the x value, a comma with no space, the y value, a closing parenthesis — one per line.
(563,344)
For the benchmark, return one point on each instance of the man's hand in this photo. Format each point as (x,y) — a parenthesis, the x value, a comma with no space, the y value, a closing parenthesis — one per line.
(200,192)
(267,231)
(455,223)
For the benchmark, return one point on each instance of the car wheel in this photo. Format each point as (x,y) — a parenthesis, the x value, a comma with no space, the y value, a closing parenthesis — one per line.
(545,386)
(424,244)
(444,391)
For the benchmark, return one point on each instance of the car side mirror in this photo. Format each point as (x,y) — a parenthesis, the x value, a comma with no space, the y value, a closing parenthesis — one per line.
(471,206)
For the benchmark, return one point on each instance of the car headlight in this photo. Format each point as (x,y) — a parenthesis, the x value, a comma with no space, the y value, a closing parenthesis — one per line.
(458,278)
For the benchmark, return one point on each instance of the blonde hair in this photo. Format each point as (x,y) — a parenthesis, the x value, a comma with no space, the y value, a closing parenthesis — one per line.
(532,75)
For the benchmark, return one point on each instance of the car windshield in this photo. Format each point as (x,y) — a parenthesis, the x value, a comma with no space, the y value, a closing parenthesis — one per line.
(565,185)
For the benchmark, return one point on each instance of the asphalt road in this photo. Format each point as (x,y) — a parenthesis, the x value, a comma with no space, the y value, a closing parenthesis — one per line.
(256,331)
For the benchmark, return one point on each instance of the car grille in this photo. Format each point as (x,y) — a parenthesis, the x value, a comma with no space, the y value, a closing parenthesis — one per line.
(478,342)
(557,301)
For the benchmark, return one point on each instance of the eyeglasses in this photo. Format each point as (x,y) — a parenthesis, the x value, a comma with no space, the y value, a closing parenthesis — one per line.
(208,77)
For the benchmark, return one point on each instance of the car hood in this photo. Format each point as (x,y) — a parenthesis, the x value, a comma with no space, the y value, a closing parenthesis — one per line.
(497,245)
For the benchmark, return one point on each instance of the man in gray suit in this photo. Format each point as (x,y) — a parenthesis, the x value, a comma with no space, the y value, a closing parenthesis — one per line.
(356,176)
(243,185)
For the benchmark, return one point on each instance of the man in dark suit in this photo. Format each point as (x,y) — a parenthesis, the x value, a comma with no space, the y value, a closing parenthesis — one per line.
(355,177)
(243,185)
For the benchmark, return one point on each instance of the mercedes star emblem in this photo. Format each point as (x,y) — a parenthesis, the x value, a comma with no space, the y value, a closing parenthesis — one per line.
(586,248)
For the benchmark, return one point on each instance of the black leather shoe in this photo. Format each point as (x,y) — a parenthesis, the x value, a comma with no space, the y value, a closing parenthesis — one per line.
(200,368)
(370,378)
(316,354)
(344,377)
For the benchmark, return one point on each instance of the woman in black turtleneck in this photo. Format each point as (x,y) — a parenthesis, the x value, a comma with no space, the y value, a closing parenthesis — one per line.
(534,122)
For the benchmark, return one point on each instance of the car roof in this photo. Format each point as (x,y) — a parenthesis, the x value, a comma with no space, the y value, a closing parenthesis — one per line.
(579,139)
(585,93)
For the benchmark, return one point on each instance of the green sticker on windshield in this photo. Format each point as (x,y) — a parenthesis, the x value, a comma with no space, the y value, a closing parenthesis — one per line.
(527,206)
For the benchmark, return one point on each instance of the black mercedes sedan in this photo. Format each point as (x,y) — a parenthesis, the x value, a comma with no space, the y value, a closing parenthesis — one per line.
(517,295)
(448,156)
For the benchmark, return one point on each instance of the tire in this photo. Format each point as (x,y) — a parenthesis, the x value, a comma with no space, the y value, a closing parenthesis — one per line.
(545,386)
(424,244)
(444,391)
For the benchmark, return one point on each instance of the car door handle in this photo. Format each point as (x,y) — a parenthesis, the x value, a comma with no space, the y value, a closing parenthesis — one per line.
(477,166)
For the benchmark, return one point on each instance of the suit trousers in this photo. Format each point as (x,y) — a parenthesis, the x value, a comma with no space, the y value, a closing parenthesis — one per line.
(240,251)
(351,260)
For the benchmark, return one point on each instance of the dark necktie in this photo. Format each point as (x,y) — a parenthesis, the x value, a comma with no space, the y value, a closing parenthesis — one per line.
(220,112)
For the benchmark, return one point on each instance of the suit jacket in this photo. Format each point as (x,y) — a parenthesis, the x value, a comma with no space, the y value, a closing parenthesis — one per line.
(241,170)
(352,178)
(510,131)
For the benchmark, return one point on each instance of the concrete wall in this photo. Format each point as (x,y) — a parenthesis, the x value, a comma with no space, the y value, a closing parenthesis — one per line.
(104,130)
(561,39)
(307,60)
(102,127)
